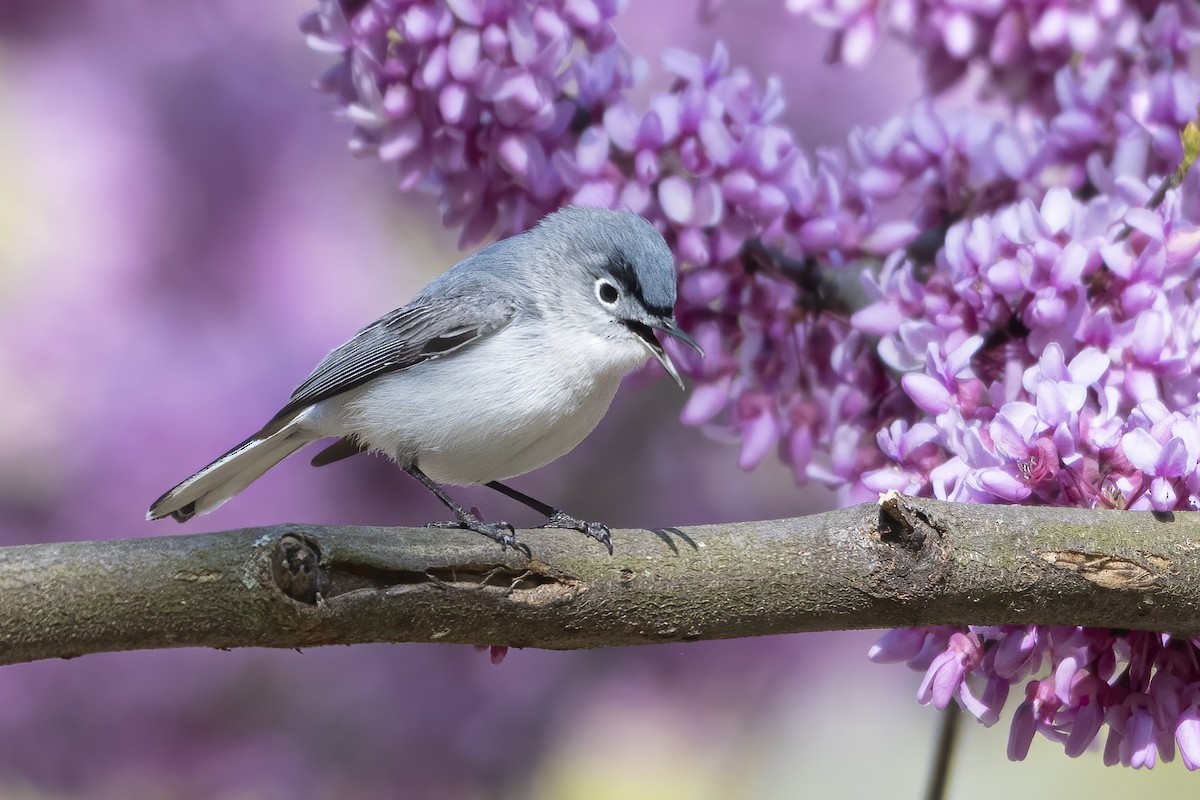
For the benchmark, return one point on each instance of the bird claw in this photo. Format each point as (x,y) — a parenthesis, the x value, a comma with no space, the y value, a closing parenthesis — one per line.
(500,532)
(596,530)
(509,540)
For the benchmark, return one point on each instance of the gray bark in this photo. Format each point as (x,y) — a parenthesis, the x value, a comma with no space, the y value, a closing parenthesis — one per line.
(902,562)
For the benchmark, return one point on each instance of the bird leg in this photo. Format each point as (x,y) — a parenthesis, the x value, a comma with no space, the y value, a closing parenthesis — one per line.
(500,532)
(556,517)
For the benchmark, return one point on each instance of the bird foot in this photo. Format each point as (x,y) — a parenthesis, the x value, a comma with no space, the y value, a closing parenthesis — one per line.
(596,530)
(499,532)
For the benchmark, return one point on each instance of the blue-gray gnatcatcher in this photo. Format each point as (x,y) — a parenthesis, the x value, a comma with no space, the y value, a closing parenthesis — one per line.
(497,367)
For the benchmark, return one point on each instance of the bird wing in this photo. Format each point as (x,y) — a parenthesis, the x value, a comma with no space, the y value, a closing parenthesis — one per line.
(433,325)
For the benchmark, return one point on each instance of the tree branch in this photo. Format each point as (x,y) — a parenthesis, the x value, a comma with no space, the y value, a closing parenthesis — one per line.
(902,562)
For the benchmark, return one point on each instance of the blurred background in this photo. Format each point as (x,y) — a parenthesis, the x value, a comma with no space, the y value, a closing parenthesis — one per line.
(182,236)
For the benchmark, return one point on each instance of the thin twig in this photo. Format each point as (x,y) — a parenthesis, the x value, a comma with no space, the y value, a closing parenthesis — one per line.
(822,288)
(943,754)
(1189,138)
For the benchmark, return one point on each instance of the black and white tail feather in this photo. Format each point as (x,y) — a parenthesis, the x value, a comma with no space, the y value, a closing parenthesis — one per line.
(233,471)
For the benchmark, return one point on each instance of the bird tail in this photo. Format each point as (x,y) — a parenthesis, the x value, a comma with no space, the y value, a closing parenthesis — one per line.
(232,472)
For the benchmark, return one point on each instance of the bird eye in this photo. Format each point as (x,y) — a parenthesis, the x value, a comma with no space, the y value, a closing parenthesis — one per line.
(607,293)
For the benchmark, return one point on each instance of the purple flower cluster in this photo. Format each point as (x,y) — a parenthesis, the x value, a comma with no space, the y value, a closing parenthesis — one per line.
(1144,686)
(1020,45)
(1042,356)
(477,100)
(1025,328)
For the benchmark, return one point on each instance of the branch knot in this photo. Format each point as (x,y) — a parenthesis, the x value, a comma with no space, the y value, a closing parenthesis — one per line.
(296,567)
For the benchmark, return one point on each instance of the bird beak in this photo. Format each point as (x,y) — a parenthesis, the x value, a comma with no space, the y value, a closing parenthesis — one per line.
(670,327)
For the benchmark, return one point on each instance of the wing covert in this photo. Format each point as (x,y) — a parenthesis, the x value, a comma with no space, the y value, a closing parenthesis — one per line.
(428,327)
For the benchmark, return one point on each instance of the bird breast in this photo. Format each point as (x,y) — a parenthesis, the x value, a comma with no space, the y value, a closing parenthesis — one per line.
(510,403)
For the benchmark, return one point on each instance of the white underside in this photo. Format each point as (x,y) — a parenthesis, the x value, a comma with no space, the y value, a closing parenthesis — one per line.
(502,407)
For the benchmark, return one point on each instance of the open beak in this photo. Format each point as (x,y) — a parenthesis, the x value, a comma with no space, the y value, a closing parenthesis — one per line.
(670,327)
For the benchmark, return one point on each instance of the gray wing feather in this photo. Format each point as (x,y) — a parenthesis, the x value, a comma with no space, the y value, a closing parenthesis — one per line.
(433,325)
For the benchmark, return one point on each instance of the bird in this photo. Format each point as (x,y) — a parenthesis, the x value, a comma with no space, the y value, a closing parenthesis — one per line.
(500,365)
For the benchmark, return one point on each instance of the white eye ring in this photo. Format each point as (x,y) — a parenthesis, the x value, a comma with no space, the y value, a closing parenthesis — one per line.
(607,292)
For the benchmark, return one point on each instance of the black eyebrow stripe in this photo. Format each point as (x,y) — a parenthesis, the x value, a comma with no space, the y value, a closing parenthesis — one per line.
(621,268)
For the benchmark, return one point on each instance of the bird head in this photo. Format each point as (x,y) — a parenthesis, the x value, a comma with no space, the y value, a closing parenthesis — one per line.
(628,276)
